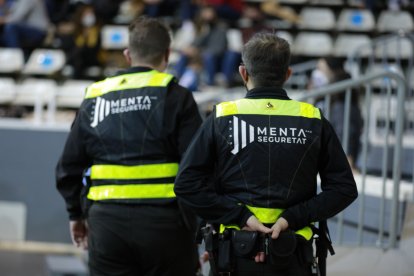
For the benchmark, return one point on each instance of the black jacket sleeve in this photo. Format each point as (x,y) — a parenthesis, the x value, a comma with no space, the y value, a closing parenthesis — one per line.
(194,187)
(70,168)
(337,182)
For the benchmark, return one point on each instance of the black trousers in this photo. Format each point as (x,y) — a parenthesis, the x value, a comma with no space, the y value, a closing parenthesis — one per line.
(130,240)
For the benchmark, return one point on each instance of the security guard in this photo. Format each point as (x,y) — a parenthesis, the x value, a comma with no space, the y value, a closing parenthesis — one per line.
(251,170)
(125,145)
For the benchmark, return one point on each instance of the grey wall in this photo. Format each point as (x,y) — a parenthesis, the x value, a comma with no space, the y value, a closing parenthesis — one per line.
(27,162)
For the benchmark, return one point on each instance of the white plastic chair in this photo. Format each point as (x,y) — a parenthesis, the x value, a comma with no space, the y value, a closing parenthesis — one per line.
(114,37)
(312,44)
(45,62)
(11,60)
(12,220)
(317,19)
(71,93)
(390,21)
(7,90)
(396,48)
(356,20)
(345,44)
(37,93)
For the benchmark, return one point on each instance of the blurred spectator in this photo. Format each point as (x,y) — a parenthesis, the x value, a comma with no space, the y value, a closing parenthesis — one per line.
(227,9)
(58,10)
(5,7)
(106,10)
(156,8)
(192,74)
(129,10)
(85,53)
(26,25)
(210,43)
(331,70)
(252,21)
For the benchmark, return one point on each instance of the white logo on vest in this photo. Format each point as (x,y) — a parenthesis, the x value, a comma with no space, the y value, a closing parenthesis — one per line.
(243,134)
(103,108)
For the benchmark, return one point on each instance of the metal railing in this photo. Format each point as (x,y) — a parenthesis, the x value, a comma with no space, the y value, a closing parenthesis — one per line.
(345,87)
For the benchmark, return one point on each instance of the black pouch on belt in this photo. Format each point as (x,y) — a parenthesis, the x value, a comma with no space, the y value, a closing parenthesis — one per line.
(225,257)
(281,250)
(245,243)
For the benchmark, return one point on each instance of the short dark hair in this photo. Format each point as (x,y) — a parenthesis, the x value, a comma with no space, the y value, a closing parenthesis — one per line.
(149,39)
(266,58)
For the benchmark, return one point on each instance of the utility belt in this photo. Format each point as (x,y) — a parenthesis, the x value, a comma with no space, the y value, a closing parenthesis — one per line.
(229,245)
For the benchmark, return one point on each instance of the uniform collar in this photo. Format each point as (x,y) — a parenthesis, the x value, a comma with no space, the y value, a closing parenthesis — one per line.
(267,92)
(136,69)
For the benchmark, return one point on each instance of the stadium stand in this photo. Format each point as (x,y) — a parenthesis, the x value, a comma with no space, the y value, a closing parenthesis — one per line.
(391,21)
(312,44)
(356,20)
(325,19)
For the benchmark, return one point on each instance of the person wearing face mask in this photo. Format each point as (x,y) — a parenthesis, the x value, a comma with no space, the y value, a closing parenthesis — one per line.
(121,158)
(86,42)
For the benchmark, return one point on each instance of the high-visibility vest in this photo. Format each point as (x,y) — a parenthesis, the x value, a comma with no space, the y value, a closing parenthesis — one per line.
(148,179)
(243,132)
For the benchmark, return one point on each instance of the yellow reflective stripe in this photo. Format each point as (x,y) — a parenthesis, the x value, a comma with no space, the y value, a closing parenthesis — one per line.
(305,232)
(128,81)
(269,216)
(265,215)
(267,107)
(131,191)
(134,172)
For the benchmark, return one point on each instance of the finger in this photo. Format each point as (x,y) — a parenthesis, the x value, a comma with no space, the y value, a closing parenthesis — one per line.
(275,232)
(263,229)
(85,243)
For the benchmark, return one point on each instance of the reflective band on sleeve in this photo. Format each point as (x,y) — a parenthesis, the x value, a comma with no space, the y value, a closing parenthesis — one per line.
(269,216)
(265,215)
(131,191)
(134,172)
(128,81)
(267,107)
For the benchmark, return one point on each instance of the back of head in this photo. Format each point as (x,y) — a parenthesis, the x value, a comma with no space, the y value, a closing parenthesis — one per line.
(266,58)
(149,40)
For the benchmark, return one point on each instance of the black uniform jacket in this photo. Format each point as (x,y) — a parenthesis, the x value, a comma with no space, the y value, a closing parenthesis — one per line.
(275,165)
(180,121)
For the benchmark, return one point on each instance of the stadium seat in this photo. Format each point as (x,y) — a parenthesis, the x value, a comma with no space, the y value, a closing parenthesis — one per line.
(327,2)
(71,93)
(45,62)
(234,40)
(13,216)
(356,20)
(390,21)
(325,19)
(8,90)
(346,44)
(398,48)
(37,93)
(11,60)
(312,44)
(286,36)
(114,37)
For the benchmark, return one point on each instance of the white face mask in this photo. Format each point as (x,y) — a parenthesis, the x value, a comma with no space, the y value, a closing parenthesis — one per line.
(88,20)
(318,78)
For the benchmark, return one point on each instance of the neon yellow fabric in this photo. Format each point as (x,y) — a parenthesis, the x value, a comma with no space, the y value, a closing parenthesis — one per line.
(134,172)
(269,216)
(267,107)
(128,81)
(132,191)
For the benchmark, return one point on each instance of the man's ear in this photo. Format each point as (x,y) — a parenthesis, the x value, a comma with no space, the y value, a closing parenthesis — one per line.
(127,56)
(243,73)
(288,73)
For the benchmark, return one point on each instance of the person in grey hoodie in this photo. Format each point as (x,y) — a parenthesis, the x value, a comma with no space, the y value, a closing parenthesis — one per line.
(26,25)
